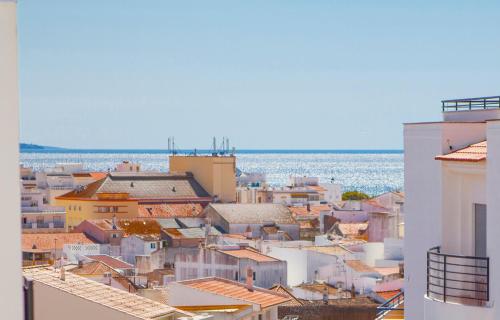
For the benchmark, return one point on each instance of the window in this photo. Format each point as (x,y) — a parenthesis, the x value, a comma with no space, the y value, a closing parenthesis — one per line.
(236,276)
(25,220)
(153,245)
(260,317)
(103,209)
(114,236)
(79,208)
(254,278)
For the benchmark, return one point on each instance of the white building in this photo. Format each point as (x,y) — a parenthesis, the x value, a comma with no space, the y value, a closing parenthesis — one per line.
(452,182)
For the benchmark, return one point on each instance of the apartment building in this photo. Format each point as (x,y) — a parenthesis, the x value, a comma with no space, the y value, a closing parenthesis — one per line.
(452,182)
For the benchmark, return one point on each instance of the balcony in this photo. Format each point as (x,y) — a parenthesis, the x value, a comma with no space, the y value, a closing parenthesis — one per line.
(43,225)
(483,103)
(458,279)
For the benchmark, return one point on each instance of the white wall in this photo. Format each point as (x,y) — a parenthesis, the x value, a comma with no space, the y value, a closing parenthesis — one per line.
(11,296)
(424,198)
(493,210)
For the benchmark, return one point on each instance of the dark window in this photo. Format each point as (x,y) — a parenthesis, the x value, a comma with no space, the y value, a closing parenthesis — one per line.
(254,278)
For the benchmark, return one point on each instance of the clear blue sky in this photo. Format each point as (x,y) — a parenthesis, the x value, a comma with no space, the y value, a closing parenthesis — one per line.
(268,74)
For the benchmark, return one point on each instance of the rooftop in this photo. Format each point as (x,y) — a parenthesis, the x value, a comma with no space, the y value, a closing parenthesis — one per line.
(190,233)
(313,210)
(254,213)
(101,294)
(331,250)
(143,186)
(173,210)
(47,241)
(232,289)
(474,153)
(248,253)
(481,103)
(359,266)
(112,262)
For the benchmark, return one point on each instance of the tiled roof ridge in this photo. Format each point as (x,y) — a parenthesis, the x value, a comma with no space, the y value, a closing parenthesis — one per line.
(243,285)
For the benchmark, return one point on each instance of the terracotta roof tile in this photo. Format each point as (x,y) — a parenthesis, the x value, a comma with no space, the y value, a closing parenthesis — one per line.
(176,210)
(359,266)
(386,295)
(473,153)
(112,262)
(45,241)
(249,254)
(313,210)
(264,298)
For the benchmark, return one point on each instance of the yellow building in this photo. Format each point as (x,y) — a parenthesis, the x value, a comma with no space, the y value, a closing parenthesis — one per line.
(216,174)
(133,194)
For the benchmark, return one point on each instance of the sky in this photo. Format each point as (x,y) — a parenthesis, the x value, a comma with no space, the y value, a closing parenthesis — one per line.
(267,74)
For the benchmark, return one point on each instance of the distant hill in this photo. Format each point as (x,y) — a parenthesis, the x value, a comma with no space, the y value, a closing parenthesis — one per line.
(30,147)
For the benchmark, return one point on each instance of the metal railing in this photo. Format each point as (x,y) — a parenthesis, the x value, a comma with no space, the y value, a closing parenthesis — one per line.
(458,279)
(482,103)
(393,304)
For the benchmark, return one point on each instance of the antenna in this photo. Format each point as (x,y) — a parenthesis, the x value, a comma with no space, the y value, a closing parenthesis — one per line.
(169,145)
(214,152)
(227,144)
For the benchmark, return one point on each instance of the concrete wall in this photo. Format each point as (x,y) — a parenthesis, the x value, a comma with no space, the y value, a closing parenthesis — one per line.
(209,263)
(11,295)
(217,175)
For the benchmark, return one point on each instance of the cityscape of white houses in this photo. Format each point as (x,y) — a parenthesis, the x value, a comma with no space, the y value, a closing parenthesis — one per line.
(289,244)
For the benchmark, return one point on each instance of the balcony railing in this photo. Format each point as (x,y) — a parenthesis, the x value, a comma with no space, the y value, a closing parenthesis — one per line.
(458,279)
(482,103)
(393,305)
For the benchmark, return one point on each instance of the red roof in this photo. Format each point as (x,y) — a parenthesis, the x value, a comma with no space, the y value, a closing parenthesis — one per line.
(249,254)
(473,153)
(47,241)
(264,298)
(177,210)
(386,295)
(313,210)
(112,262)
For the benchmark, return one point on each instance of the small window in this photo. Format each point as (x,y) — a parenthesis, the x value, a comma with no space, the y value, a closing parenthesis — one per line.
(254,278)
(114,236)
(153,245)
(236,276)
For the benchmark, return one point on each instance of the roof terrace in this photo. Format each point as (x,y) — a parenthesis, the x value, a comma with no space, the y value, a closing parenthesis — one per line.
(465,104)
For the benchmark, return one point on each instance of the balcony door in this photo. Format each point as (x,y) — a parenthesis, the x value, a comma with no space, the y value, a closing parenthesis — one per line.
(480,230)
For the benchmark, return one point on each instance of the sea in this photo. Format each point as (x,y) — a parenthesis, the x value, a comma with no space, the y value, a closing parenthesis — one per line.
(370,171)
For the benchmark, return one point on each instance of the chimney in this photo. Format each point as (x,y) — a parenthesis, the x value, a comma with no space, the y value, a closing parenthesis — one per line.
(249,279)
(353,291)
(62,275)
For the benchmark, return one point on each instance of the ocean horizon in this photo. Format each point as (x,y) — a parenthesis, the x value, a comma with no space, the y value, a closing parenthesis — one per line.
(370,171)
(206,151)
